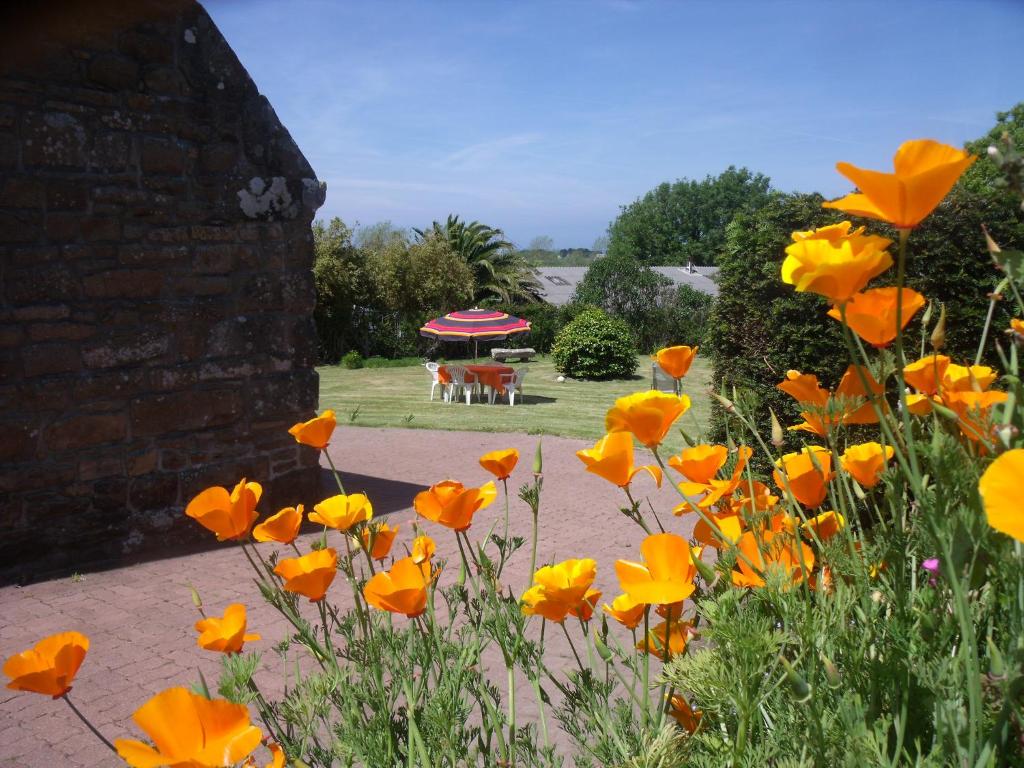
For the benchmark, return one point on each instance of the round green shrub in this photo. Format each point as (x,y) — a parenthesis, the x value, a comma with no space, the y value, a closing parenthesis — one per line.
(352,360)
(595,346)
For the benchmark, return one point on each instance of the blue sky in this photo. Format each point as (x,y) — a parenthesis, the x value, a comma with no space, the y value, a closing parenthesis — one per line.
(543,118)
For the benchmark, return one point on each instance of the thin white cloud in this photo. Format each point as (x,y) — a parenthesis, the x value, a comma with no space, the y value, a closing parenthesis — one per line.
(475,156)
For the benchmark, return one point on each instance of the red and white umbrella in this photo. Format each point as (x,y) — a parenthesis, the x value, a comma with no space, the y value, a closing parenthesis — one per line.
(476,324)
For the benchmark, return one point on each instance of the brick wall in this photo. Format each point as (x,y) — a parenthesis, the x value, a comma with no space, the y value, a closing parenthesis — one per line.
(156,331)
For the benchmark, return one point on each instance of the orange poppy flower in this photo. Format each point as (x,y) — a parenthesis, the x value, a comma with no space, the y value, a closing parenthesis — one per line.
(403,589)
(926,375)
(282,527)
(936,378)
(866,462)
(834,262)
(676,361)
(678,638)
(849,404)
(226,634)
(559,590)
(611,458)
(277,758)
(728,527)
(228,515)
(625,610)
(453,505)
(378,541)
(310,575)
(703,461)
(872,314)
(1016,329)
(341,512)
(1000,494)
(647,415)
(666,574)
(699,463)
(973,408)
(963,378)
(50,666)
(423,548)
(807,483)
(826,525)
(188,729)
(925,171)
(500,463)
(778,551)
(680,711)
(584,610)
(316,432)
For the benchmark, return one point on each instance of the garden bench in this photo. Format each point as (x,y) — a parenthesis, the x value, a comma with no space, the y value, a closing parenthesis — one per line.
(504,355)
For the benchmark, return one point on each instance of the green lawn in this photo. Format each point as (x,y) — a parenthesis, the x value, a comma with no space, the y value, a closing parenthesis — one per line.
(399,397)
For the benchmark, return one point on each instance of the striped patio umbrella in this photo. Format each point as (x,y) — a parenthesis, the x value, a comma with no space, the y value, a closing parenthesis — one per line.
(476,324)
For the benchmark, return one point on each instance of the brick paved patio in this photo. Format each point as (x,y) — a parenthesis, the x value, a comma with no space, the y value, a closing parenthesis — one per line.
(139,618)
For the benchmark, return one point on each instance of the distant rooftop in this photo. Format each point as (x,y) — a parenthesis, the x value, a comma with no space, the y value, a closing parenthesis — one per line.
(560,282)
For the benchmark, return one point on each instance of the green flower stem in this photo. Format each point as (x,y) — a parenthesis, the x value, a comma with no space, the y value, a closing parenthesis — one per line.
(501,562)
(571,645)
(356,597)
(901,362)
(535,682)
(533,548)
(89,725)
(511,713)
(647,667)
(636,516)
(334,471)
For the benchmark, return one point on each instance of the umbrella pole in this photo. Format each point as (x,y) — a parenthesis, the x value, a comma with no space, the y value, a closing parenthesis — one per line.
(476,354)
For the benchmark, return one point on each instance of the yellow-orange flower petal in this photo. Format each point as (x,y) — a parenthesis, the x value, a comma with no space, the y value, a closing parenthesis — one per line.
(625,610)
(963,378)
(611,458)
(1000,489)
(804,388)
(423,549)
(310,575)
(678,637)
(925,170)
(282,527)
(558,590)
(866,462)
(341,512)
(228,515)
(680,711)
(403,589)
(835,267)
(676,361)
(316,432)
(647,415)
(190,730)
(926,375)
(584,610)
(973,408)
(826,525)
(453,505)
(50,666)
(872,314)
(777,551)
(225,634)
(807,483)
(500,463)
(666,574)
(378,541)
(700,463)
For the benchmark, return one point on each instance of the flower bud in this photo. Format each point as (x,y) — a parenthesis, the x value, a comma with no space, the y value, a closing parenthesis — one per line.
(706,571)
(991,244)
(197,601)
(831,673)
(538,460)
(800,687)
(778,436)
(938,338)
(602,650)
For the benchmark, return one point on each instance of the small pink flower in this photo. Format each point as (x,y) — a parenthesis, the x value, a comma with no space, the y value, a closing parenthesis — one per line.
(932,566)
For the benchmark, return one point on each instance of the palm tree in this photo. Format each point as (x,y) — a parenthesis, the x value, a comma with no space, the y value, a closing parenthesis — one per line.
(501,274)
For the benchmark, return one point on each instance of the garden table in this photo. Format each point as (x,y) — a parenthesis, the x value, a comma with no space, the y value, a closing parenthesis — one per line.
(487,375)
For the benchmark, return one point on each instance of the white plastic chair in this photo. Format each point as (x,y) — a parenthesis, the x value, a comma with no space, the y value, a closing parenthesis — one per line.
(513,382)
(435,382)
(461,378)
(660,380)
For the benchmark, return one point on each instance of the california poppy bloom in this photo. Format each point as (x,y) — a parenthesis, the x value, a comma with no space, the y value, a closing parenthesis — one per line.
(423,548)
(797,474)
(648,415)
(50,666)
(453,505)
(925,171)
(584,610)
(316,432)
(228,515)
(676,361)
(378,541)
(500,463)
(936,378)
(849,404)
(1000,494)
(611,458)
(680,711)
(309,575)
(225,634)
(403,589)
(696,464)
(724,527)
(341,512)
(189,729)
(825,525)
(834,262)
(866,462)
(777,551)
(625,610)
(282,527)
(699,463)
(973,408)
(872,314)
(678,638)
(559,590)
(1016,329)
(926,375)
(666,574)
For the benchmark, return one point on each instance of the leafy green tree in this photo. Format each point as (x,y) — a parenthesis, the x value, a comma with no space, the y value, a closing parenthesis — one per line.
(499,272)
(627,289)
(595,346)
(376,237)
(685,221)
(344,290)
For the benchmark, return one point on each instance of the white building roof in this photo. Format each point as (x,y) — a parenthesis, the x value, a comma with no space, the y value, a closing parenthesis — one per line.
(560,282)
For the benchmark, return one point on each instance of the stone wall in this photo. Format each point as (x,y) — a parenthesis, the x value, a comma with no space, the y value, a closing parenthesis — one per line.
(156,331)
